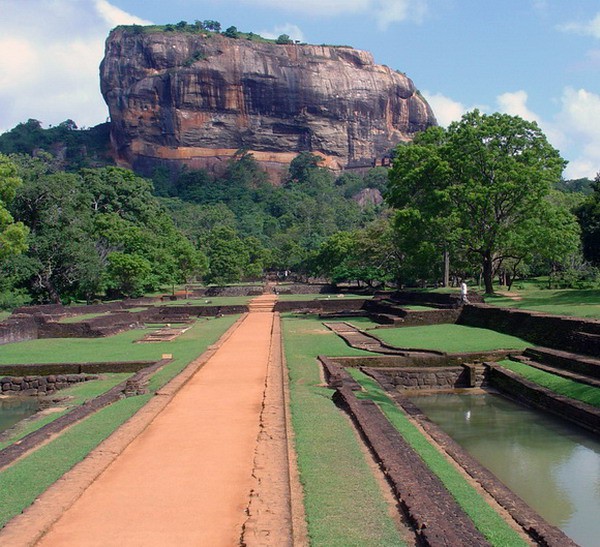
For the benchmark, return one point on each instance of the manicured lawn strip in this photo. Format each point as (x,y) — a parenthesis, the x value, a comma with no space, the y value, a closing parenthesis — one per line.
(77,395)
(88,390)
(487,521)
(320,296)
(343,502)
(562,386)
(208,301)
(450,338)
(189,345)
(26,427)
(119,347)
(23,482)
(533,296)
(80,318)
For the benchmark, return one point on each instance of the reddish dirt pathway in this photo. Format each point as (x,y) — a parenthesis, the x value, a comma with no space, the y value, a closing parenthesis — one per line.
(186,479)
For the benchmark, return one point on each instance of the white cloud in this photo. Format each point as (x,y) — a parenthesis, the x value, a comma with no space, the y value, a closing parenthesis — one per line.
(515,104)
(589,28)
(396,11)
(49,57)
(579,119)
(447,110)
(115,16)
(291,30)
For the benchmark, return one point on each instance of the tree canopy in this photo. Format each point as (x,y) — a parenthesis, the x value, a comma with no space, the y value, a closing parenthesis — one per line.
(589,218)
(93,231)
(13,235)
(480,189)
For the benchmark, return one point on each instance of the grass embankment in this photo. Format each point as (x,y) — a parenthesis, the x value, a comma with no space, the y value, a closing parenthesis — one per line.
(81,318)
(319,296)
(486,519)
(26,479)
(557,384)
(70,397)
(344,504)
(207,301)
(531,295)
(448,337)
(114,348)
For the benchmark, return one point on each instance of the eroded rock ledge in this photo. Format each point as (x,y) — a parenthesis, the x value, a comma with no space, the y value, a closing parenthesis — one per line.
(195,99)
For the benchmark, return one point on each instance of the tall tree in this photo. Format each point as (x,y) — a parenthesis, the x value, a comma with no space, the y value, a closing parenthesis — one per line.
(588,215)
(477,184)
(13,235)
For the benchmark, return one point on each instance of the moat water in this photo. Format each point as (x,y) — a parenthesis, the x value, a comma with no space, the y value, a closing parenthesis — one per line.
(551,464)
(14,409)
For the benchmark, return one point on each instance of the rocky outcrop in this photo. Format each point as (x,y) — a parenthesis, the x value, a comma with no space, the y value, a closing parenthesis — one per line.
(196,99)
(368,197)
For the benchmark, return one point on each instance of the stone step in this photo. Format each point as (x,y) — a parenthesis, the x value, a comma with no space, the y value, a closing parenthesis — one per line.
(581,378)
(573,362)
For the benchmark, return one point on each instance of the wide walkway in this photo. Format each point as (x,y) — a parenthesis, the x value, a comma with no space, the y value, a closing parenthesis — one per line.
(186,479)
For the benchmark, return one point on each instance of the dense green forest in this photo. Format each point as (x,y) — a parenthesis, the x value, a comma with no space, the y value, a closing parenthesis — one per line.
(103,231)
(77,227)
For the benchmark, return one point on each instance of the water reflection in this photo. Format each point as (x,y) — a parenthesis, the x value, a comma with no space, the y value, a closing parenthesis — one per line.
(14,409)
(551,464)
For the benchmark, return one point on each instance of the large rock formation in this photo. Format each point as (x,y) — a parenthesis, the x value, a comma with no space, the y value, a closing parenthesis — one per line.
(195,99)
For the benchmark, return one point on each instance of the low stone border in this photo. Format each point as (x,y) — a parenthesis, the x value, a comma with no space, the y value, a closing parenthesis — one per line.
(564,360)
(431,509)
(134,386)
(40,385)
(44,369)
(561,332)
(532,523)
(533,394)
(466,376)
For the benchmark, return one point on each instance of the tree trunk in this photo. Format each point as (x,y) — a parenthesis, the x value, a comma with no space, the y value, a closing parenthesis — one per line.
(446,268)
(488,272)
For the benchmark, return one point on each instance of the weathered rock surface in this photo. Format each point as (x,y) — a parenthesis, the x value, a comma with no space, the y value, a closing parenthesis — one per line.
(196,99)
(368,197)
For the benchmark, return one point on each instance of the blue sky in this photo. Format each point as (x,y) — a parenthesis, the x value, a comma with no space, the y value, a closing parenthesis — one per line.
(539,59)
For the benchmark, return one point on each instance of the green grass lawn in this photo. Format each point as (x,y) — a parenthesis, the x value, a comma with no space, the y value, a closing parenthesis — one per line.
(487,521)
(448,337)
(344,504)
(562,386)
(208,301)
(72,396)
(82,317)
(26,479)
(319,296)
(119,347)
(532,295)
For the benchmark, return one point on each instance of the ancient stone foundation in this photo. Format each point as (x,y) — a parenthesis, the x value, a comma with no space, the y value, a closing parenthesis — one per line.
(40,385)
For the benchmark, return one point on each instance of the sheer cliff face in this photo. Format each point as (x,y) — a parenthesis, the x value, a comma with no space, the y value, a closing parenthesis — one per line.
(195,100)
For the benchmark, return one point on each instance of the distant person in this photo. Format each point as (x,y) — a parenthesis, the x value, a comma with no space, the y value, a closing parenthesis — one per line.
(463,293)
